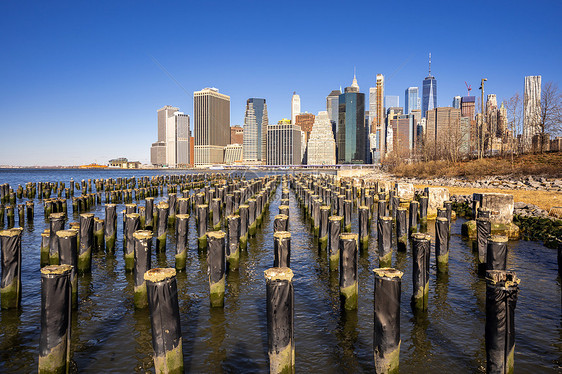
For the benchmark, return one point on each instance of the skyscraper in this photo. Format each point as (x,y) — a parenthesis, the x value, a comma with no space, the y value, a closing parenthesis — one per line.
(255,130)
(332,106)
(457,102)
(183,135)
(411,99)
(321,145)
(429,98)
(391,101)
(531,110)
(172,147)
(305,121)
(468,106)
(295,107)
(283,144)
(352,134)
(211,113)
(236,135)
(376,114)
(443,130)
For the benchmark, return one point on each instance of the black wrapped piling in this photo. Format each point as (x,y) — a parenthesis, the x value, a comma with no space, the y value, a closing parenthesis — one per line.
(364,227)
(483,231)
(216,251)
(56,223)
(202,218)
(420,256)
(149,213)
(284,209)
(216,213)
(10,216)
(384,228)
(382,208)
(232,241)
(172,208)
(67,241)
(182,221)
(496,254)
(132,224)
(99,227)
(282,249)
(413,216)
(281,223)
(162,226)
(21,214)
(10,287)
(347,207)
(386,337)
(323,229)
(45,247)
(501,299)
(54,341)
(334,232)
(162,292)
(110,227)
(30,210)
(402,228)
(142,242)
(348,271)
(243,210)
(442,228)
(86,242)
(280,320)
(424,202)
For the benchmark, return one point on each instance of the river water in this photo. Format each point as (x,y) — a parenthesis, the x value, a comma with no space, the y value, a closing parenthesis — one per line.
(109,335)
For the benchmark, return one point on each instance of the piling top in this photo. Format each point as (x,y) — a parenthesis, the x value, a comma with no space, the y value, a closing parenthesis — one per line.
(283,207)
(110,205)
(281,216)
(96,219)
(55,269)
(325,207)
(142,234)
(182,216)
(43,234)
(232,216)
(162,205)
(335,218)
(66,233)
(349,236)
(402,208)
(55,216)
(502,277)
(363,207)
(74,225)
(497,238)
(202,206)
(282,235)
(245,206)
(159,274)
(86,215)
(216,234)
(131,205)
(385,218)
(388,273)
(15,231)
(279,274)
(420,236)
(442,219)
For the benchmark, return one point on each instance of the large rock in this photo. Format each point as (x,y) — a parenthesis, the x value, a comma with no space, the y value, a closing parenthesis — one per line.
(405,190)
(436,196)
(500,204)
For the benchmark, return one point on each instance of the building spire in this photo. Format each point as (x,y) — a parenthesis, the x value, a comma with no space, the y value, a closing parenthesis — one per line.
(354,83)
(430,64)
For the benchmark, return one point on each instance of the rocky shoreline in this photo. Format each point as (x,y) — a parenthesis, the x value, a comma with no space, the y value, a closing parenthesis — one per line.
(528,183)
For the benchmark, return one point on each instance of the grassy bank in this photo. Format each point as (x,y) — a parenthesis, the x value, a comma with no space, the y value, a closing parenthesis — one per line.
(546,165)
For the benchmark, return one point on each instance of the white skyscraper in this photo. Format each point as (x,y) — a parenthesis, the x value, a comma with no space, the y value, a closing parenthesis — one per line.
(322,145)
(531,109)
(295,107)
(183,135)
(172,147)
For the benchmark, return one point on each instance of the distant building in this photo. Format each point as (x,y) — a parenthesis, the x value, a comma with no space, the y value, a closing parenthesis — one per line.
(283,144)
(377,119)
(468,106)
(531,110)
(236,135)
(255,130)
(457,102)
(183,136)
(118,162)
(321,145)
(211,113)
(158,154)
(352,135)
(332,107)
(411,99)
(391,101)
(442,132)
(429,98)
(172,147)
(233,154)
(295,107)
(305,121)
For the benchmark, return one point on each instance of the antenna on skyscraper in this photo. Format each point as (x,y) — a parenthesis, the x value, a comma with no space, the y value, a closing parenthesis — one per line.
(430,64)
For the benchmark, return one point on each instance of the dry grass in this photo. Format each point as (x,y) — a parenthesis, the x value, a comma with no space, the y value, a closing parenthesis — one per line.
(547,165)
(542,199)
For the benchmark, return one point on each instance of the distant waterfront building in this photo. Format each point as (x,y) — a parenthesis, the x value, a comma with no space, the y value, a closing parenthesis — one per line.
(429,98)
(377,119)
(305,121)
(332,107)
(403,135)
(411,99)
(457,102)
(531,110)
(255,130)
(442,130)
(321,145)
(236,135)
(172,147)
(352,135)
(233,154)
(283,144)
(295,107)
(391,101)
(183,134)
(211,113)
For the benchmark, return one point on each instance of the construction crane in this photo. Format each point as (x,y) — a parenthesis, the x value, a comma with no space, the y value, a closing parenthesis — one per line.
(468,87)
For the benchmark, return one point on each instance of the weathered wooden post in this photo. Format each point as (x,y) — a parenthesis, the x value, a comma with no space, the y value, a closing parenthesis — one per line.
(110,227)
(442,243)
(56,223)
(348,271)
(420,256)
(86,242)
(10,289)
(282,249)
(384,229)
(243,210)
(281,223)
(142,242)
(132,224)
(413,216)
(364,227)
(99,228)
(182,221)
(402,228)
(202,219)
(233,242)
(67,241)
(162,226)
(334,232)
(216,252)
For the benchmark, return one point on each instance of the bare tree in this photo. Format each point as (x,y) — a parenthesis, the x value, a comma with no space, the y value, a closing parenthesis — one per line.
(551,111)
(514,119)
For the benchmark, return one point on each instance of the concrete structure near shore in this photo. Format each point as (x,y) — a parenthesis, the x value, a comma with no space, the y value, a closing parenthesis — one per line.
(436,197)
(405,190)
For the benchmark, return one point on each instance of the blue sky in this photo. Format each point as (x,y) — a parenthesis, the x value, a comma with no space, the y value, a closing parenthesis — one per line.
(79,82)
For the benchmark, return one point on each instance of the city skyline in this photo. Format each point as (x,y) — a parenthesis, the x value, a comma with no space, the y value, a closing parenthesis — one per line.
(93,72)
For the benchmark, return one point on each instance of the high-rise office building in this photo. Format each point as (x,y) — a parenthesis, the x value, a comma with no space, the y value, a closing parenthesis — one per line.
(403,134)
(321,148)
(531,110)
(255,130)
(411,99)
(457,102)
(391,101)
(352,135)
(172,147)
(377,118)
(295,107)
(305,121)
(183,134)
(211,114)
(332,107)
(429,98)
(236,135)
(442,130)
(283,144)
(468,106)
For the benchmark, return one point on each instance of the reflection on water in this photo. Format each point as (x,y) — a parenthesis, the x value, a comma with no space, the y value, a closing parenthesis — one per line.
(109,335)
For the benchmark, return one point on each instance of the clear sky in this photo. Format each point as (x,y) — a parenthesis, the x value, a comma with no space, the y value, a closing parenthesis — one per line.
(80,81)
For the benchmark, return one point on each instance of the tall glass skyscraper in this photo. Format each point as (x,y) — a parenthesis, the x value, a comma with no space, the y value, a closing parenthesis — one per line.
(412,99)
(255,130)
(429,98)
(352,133)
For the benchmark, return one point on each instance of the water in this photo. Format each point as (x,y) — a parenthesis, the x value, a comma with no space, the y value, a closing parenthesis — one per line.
(109,335)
